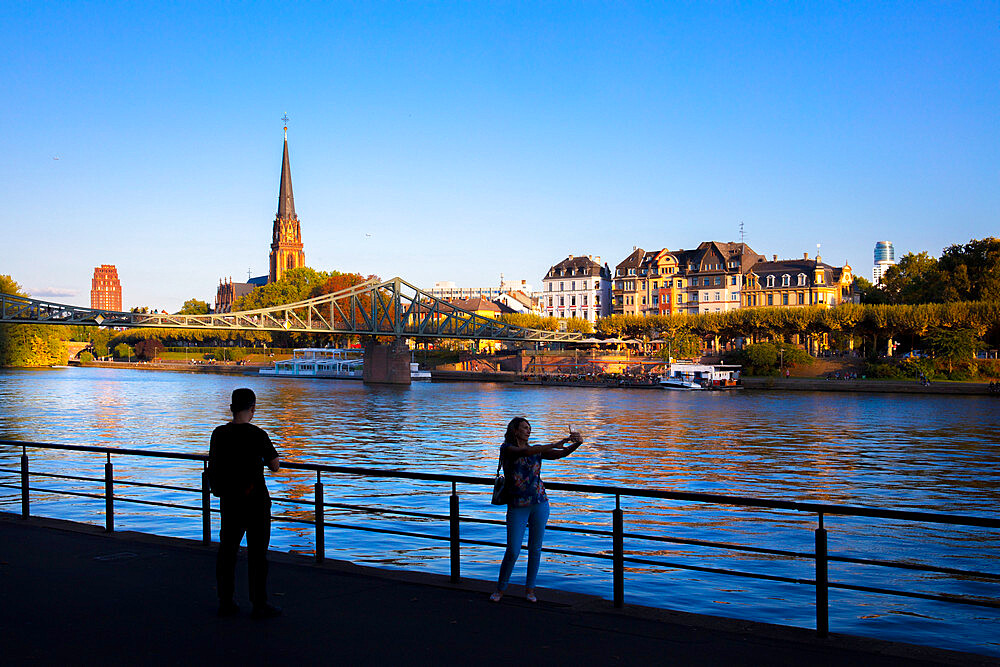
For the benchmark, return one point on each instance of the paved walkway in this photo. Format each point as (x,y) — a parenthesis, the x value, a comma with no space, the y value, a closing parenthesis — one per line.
(71,594)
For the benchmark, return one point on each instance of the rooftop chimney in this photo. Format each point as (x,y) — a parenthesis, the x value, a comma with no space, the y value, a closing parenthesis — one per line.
(775,258)
(805,255)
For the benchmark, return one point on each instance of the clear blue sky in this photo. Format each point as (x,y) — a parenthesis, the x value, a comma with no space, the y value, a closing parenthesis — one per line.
(473,139)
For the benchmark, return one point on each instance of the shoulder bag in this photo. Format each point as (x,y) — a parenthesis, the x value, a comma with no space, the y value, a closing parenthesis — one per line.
(499,495)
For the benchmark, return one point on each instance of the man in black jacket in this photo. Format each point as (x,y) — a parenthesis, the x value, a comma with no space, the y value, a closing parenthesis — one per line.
(237,456)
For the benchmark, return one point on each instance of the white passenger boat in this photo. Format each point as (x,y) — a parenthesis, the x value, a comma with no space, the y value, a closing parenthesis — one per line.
(329,362)
(320,362)
(687,377)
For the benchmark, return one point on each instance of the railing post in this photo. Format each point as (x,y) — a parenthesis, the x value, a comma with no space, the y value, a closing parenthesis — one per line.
(25,500)
(619,553)
(320,521)
(109,496)
(822,583)
(206,507)
(455,534)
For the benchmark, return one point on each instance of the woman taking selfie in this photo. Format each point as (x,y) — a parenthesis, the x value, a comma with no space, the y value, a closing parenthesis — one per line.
(527,504)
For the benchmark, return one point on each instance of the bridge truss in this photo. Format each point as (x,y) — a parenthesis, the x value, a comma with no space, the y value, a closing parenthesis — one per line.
(390,308)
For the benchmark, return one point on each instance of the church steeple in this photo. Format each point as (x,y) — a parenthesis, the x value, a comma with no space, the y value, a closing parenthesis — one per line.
(286,238)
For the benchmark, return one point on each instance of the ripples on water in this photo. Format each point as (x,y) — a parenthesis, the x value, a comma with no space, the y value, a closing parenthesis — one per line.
(935,453)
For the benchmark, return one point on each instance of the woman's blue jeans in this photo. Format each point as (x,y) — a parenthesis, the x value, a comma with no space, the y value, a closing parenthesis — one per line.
(534,517)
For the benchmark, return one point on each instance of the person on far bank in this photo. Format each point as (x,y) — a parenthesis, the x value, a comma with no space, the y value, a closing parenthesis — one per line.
(237,456)
(527,504)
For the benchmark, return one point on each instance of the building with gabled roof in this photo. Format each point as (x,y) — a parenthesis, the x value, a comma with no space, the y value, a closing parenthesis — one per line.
(797,282)
(578,286)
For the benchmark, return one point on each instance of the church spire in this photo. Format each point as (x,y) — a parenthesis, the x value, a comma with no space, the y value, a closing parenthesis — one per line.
(286,201)
(286,241)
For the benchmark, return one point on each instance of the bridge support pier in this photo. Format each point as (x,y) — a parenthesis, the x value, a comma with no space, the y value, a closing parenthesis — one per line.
(387,364)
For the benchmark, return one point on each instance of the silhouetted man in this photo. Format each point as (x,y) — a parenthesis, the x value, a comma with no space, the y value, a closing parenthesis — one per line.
(237,456)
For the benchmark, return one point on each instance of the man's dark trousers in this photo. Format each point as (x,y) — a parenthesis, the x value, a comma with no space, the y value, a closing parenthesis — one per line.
(252,516)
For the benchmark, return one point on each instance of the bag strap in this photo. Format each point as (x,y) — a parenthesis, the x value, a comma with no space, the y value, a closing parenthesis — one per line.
(500,461)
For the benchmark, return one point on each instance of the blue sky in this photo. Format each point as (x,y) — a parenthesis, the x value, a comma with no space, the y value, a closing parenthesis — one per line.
(473,139)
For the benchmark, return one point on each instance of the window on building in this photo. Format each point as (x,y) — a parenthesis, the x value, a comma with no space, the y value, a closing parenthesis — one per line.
(597,299)
(656,300)
(786,280)
(550,302)
(585,299)
(631,272)
(644,301)
(597,284)
(562,313)
(562,286)
(734,296)
(666,298)
(770,281)
(784,299)
(718,280)
(694,281)
(802,279)
(572,300)
(820,298)
(718,296)
(802,298)
(704,297)
(562,301)
(770,299)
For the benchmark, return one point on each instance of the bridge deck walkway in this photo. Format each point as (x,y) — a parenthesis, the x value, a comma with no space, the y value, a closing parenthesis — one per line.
(72,594)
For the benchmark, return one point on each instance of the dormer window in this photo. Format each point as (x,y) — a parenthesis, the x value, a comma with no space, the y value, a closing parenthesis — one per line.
(786,280)
(770,281)
(802,279)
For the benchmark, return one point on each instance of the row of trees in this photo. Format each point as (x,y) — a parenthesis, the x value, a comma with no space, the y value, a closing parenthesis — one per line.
(845,325)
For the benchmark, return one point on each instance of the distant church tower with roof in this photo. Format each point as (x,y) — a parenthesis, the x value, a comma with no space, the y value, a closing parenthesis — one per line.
(286,238)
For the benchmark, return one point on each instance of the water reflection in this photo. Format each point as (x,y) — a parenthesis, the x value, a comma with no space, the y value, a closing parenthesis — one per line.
(915,452)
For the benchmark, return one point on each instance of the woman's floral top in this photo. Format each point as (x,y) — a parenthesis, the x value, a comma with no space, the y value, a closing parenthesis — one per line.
(522,478)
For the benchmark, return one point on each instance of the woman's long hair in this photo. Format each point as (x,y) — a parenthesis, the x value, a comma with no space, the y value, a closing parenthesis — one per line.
(510,437)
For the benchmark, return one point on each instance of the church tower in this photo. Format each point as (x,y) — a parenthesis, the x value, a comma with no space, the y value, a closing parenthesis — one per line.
(286,239)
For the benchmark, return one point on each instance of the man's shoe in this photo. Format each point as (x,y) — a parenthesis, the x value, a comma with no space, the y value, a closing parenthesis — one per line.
(229,608)
(265,611)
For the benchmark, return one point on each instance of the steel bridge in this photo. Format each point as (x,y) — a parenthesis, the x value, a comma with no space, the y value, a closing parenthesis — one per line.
(391,308)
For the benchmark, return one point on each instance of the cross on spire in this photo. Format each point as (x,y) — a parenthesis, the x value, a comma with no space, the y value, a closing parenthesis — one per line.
(284,119)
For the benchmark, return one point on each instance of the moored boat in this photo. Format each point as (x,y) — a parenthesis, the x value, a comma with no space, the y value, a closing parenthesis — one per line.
(688,376)
(320,362)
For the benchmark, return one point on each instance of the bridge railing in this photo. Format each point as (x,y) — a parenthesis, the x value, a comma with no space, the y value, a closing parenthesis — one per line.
(615,538)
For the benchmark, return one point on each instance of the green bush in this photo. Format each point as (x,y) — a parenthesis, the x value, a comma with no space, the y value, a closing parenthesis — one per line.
(123,351)
(86,357)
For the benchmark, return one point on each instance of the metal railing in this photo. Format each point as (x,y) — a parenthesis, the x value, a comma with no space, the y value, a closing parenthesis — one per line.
(617,535)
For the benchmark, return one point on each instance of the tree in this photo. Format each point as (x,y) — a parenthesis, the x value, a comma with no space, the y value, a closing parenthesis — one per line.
(952,344)
(148,349)
(971,272)
(194,307)
(123,350)
(28,344)
(915,279)
(869,293)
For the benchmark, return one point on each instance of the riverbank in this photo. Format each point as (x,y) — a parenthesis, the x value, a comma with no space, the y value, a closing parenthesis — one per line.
(867,386)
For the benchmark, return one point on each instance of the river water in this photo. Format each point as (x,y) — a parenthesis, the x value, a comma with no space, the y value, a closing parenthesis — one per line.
(933,453)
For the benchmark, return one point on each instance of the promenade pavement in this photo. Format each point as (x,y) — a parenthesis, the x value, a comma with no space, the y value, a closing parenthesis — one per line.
(71,594)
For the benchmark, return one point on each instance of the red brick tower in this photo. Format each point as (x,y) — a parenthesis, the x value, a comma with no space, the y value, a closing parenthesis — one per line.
(105,289)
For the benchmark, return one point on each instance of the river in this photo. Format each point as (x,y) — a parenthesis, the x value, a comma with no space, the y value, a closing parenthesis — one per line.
(934,453)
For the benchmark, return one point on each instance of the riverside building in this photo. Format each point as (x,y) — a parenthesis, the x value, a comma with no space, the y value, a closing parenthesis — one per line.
(706,279)
(578,287)
(105,288)
(797,283)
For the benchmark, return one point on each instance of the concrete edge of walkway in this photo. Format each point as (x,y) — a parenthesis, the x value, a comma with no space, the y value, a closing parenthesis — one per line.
(570,601)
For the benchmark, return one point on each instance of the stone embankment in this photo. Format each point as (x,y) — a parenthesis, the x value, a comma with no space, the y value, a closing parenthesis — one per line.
(228,369)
